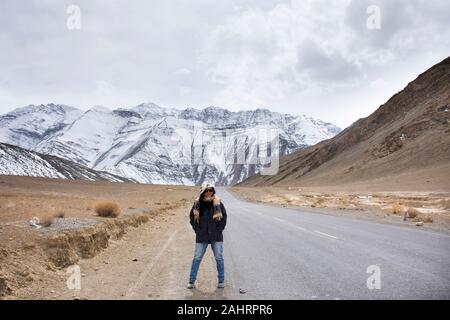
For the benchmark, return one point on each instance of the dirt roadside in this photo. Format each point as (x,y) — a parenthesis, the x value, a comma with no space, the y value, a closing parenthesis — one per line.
(149,262)
(164,254)
(145,253)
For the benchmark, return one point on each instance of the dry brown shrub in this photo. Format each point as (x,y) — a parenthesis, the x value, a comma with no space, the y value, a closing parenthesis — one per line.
(412,212)
(397,209)
(60,214)
(46,220)
(107,209)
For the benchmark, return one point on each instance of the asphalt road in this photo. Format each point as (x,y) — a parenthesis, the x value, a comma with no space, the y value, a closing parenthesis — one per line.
(281,253)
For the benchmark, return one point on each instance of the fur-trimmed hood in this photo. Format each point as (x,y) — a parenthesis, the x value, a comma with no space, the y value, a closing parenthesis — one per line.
(216,200)
(217,210)
(205,186)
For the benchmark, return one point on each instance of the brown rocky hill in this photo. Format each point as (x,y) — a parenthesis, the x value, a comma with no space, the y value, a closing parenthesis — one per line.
(406,141)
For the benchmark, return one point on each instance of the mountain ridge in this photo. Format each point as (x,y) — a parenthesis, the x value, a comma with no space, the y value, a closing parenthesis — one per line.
(153,144)
(15,160)
(410,131)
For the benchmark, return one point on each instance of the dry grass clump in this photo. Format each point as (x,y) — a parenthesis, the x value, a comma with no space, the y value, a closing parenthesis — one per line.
(46,220)
(320,202)
(426,219)
(397,209)
(412,212)
(107,209)
(60,214)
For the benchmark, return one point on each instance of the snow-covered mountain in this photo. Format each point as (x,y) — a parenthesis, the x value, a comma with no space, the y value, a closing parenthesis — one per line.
(152,144)
(27,126)
(21,162)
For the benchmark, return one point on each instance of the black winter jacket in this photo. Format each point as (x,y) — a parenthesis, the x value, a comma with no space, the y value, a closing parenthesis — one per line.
(208,229)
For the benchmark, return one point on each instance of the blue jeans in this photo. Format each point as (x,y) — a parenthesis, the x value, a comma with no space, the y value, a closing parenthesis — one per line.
(200,249)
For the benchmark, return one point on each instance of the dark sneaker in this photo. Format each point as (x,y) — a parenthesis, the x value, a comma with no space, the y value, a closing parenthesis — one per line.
(221,285)
(191,285)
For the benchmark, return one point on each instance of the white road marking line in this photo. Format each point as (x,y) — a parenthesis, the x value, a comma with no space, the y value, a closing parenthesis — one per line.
(291,225)
(140,281)
(325,234)
(303,229)
(300,228)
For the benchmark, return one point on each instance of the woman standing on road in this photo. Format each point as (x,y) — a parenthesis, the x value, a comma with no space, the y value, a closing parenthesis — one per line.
(208,219)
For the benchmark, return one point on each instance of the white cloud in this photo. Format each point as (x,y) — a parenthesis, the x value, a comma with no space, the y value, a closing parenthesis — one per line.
(182,72)
(300,51)
(378,83)
(261,57)
(316,57)
(185,90)
(104,88)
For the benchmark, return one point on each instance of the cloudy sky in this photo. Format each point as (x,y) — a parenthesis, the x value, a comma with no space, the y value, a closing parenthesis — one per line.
(334,60)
